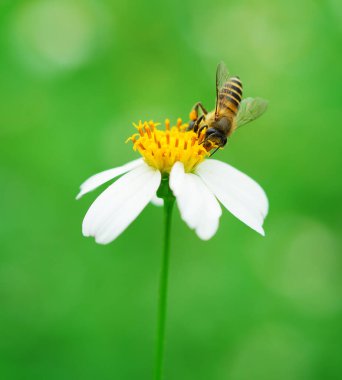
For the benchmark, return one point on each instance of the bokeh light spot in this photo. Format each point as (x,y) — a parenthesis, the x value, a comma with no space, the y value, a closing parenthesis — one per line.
(301,264)
(271,352)
(57,34)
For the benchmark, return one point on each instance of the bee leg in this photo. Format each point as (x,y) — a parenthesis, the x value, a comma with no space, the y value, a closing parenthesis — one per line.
(201,129)
(208,133)
(193,125)
(200,105)
(194,111)
(198,122)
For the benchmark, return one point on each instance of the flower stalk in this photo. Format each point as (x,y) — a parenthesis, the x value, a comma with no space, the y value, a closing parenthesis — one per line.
(165,193)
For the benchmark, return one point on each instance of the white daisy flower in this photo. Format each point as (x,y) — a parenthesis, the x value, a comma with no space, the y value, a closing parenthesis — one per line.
(198,183)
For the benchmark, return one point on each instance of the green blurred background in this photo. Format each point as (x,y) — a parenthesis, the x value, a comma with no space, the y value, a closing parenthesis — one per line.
(74,76)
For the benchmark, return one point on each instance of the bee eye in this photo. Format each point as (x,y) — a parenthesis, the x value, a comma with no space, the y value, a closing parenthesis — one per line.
(210,131)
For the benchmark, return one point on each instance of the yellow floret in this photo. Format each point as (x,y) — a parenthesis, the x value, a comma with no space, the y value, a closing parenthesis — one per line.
(162,148)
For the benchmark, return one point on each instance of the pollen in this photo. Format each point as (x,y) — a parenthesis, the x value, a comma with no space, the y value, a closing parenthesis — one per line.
(161,148)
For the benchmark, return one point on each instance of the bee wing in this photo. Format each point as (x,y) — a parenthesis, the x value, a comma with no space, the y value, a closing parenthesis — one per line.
(222,76)
(250,109)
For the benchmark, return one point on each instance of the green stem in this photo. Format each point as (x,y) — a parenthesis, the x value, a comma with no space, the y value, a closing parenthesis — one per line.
(168,206)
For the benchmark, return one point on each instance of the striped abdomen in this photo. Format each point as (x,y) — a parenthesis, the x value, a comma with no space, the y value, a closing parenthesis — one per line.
(230,95)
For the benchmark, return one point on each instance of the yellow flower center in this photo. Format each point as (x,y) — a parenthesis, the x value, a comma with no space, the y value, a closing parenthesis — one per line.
(162,148)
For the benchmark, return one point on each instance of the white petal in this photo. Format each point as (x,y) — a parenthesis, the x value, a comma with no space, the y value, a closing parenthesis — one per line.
(198,206)
(121,203)
(156,201)
(240,194)
(100,178)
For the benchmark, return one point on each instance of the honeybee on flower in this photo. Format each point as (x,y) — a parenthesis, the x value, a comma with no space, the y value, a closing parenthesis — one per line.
(174,155)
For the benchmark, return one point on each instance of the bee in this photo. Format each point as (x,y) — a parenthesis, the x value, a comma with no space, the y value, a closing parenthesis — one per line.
(230,111)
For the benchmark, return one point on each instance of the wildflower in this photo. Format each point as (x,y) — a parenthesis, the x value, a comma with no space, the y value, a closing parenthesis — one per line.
(175,156)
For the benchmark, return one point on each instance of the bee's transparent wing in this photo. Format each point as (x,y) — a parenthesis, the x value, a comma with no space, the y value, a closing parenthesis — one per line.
(250,109)
(222,76)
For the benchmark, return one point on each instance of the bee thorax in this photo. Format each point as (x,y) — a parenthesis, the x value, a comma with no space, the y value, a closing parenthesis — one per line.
(223,125)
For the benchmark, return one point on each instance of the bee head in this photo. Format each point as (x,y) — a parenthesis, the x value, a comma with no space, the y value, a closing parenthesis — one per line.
(214,138)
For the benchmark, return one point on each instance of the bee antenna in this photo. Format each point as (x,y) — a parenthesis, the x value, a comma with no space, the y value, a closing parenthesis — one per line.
(211,154)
